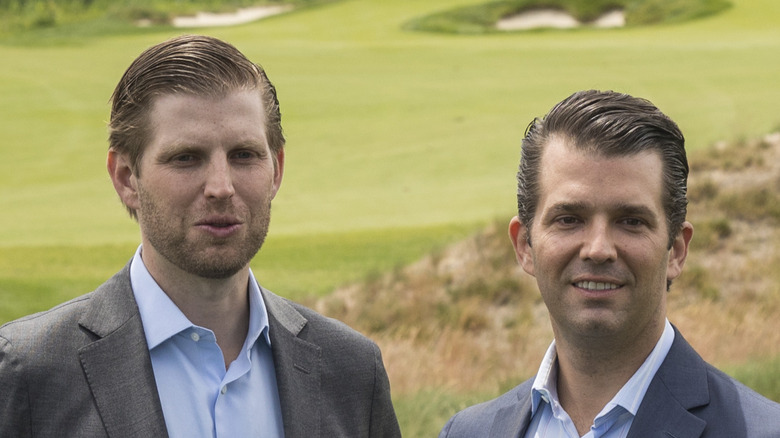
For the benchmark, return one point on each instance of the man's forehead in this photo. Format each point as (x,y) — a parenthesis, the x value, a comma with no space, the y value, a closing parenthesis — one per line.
(217,92)
(595,149)
(570,175)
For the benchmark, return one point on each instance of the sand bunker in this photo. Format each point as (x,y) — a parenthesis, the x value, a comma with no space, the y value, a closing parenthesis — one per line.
(552,18)
(241,16)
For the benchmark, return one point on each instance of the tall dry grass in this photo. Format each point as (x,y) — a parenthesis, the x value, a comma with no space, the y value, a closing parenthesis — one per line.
(467,318)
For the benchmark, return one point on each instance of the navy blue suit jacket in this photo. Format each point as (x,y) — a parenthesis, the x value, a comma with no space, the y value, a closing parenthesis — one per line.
(687,398)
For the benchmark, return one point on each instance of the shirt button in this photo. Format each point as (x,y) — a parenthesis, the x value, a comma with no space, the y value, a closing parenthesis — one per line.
(223,390)
(194,336)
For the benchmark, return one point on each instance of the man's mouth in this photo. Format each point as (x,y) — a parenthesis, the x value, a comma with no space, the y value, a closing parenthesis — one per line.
(220,226)
(593,285)
(219,222)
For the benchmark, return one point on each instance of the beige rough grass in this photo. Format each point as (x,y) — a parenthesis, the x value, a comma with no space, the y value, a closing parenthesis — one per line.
(468,319)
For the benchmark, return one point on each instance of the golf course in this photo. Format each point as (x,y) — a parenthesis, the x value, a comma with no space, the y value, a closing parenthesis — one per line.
(400,143)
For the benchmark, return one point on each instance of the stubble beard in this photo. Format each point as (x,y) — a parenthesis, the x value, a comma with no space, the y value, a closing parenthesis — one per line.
(192,255)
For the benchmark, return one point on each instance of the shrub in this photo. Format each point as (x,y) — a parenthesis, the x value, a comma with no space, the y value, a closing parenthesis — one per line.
(482,18)
(754,204)
(696,279)
(763,376)
(667,11)
(710,233)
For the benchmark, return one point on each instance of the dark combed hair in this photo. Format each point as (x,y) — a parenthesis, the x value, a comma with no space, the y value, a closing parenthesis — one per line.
(609,124)
(190,64)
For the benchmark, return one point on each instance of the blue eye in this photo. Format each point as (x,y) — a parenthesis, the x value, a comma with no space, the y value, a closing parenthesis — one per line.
(183,159)
(632,221)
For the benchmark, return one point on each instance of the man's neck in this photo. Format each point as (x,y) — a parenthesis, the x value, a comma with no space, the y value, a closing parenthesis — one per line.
(220,305)
(589,375)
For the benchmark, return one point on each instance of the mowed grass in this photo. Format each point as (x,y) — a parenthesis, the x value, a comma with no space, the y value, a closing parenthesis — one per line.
(33,278)
(386,128)
(398,142)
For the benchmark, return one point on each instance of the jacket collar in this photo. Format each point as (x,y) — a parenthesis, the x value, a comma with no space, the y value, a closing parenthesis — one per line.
(117,364)
(515,417)
(297,365)
(119,369)
(679,386)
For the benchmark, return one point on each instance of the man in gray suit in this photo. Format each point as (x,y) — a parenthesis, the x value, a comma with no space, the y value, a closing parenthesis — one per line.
(601,226)
(183,341)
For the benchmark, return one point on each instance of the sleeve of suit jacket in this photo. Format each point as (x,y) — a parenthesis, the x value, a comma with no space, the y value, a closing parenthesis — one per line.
(14,415)
(383,419)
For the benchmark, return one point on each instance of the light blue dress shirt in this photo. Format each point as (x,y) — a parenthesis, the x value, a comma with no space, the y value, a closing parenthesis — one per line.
(199,397)
(548,419)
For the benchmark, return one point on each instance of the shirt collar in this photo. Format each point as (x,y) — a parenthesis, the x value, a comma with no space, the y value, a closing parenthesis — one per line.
(162,319)
(631,394)
(545,388)
(629,397)
(258,314)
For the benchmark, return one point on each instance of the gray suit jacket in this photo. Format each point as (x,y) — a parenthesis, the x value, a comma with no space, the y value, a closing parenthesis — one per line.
(82,369)
(687,398)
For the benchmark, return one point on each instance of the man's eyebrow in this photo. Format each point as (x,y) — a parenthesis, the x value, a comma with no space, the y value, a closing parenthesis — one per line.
(624,209)
(567,207)
(180,146)
(635,210)
(176,148)
(252,143)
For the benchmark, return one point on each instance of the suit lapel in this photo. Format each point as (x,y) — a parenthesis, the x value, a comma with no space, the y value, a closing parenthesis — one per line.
(512,421)
(297,367)
(679,386)
(117,364)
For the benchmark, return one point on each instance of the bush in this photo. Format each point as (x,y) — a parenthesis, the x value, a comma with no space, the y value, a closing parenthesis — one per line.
(710,233)
(758,203)
(482,18)
(761,376)
(18,16)
(667,11)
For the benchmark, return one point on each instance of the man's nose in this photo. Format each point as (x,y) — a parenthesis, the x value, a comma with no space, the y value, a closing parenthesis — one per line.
(598,245)
(219,180)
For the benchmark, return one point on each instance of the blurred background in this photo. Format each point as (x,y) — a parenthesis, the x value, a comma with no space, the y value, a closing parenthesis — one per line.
(404,120)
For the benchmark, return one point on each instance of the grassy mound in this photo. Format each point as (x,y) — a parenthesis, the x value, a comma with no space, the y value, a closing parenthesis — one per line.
(467,318)
(399,142)
(482,18)
(98,17)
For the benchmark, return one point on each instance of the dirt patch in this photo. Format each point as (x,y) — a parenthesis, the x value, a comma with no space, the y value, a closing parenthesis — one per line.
(557,19)
(241,16)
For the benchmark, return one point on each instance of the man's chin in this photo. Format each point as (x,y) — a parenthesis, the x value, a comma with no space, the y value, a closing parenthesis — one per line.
(214,265)
(220,266)
(217,273)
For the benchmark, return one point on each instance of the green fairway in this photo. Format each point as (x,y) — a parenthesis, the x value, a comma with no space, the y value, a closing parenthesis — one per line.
(386,128)
(398,142)
(416,133)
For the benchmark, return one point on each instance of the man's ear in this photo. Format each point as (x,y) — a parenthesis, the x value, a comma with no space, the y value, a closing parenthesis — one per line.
(125,181)
(679,251)
(278,171)
(518,234)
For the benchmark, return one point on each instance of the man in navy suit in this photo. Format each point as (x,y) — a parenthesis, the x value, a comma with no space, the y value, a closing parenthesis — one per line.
(601,226)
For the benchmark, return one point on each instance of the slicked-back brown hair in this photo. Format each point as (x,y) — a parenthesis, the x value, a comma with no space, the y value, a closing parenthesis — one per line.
(190,65)
(606,123)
